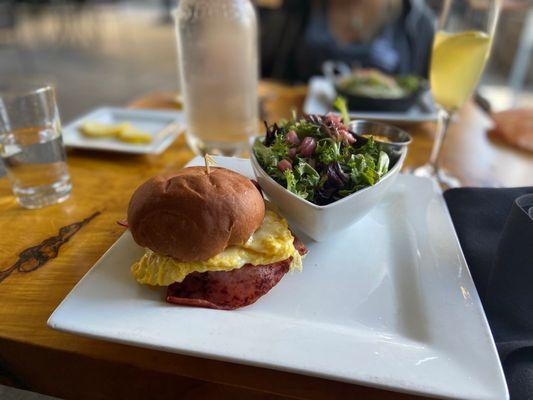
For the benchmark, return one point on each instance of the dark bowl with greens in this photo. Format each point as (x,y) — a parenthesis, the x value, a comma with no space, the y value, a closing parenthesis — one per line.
(319,174)
(373,90)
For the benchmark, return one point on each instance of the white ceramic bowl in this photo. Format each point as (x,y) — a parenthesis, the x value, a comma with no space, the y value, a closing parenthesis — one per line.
(322,222)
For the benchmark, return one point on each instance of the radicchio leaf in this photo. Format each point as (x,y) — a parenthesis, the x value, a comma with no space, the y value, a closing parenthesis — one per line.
(336,179)
(271,132)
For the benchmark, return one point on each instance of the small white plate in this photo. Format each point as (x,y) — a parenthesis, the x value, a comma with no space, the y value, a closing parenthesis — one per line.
(321,94)
(389,304)
(149,121)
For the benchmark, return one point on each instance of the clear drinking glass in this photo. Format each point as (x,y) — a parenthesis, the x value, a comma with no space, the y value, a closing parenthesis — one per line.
(218,62)
(31,146)
(461,48)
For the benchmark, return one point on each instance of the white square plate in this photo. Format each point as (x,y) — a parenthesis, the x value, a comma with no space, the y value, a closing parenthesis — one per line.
(149,121)
(321,94)
(389,303)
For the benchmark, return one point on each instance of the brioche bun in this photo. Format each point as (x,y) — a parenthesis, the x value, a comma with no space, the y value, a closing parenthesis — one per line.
(191,215)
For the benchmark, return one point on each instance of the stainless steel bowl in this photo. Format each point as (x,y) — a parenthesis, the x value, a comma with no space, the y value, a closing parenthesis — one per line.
(390,137)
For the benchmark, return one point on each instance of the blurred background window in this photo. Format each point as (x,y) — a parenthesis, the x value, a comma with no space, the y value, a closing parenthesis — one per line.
(109,52)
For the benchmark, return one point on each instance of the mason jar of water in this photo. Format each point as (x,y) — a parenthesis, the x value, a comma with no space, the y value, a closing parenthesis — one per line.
(218,62)
(31,146)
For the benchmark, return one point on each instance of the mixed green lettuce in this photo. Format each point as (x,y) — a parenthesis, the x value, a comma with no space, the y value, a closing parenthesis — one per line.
(376,84)
(318,158)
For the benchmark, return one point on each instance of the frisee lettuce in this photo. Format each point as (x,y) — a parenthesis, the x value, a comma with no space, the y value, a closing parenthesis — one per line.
(334,170)
(340,105)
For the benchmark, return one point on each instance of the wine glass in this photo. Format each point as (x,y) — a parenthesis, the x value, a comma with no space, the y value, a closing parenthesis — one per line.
(461,47)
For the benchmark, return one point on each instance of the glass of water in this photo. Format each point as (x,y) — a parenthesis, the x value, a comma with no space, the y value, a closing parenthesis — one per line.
(31,146)
(218,62)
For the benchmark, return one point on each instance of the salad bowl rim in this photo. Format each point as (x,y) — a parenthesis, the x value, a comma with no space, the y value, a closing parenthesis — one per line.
(395,169)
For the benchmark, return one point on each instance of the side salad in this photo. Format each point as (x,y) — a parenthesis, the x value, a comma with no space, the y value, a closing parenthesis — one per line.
(318,158)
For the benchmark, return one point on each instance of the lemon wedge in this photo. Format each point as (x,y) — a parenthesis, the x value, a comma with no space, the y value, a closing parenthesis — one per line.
(131,134)
(99,130)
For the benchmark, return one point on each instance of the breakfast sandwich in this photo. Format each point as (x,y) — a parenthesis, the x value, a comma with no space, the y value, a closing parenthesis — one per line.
(210,238)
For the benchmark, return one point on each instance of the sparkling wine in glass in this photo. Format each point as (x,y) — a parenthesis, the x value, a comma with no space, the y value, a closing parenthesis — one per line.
(461,48)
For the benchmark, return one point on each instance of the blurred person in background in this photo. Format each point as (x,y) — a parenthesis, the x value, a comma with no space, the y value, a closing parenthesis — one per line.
(394,36)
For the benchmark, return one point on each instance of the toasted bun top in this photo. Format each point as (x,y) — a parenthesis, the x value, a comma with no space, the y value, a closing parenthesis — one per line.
(191,215)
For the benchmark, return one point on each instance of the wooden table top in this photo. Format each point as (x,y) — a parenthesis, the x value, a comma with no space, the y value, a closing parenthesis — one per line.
(35,357)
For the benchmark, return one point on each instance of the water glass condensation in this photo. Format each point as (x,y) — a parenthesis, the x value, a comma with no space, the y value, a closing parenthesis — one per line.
(218,62)
(31,146)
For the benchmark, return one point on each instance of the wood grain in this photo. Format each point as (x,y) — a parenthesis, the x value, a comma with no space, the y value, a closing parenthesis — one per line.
(38,358)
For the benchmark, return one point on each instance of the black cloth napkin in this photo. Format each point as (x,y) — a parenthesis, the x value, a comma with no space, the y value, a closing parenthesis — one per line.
(495,229)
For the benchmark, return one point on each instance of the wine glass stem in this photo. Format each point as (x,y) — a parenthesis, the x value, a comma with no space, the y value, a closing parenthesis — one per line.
(444,118)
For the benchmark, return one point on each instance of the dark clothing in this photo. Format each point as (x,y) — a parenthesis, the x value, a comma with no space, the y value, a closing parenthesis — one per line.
(296,40)
(496,235)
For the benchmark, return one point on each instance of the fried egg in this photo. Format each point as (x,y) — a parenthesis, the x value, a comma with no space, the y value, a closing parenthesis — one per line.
(270,243)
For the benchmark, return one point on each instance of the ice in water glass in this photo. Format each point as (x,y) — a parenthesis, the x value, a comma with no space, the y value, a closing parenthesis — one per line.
(31,146)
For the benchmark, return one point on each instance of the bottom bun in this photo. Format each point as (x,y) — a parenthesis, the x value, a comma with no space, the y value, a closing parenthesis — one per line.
(228,290)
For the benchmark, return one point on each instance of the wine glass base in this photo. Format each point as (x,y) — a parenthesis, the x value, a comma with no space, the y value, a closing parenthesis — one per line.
(443,177)
(447,180)
(424,171)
